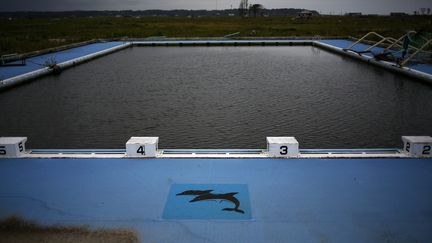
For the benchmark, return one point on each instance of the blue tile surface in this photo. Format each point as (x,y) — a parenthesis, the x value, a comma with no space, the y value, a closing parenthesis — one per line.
(294,200)
(35,63)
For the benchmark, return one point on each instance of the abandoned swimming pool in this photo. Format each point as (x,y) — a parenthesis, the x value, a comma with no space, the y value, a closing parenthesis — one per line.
(283,189)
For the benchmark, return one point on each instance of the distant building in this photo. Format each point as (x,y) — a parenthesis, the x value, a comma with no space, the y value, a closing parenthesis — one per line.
(398,14)
(354,14)
(305,14)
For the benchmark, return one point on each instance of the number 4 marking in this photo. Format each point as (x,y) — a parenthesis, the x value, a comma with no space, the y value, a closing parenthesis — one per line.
(141,150)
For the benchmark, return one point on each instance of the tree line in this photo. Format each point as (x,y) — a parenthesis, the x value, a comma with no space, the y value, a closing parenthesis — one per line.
(256,10)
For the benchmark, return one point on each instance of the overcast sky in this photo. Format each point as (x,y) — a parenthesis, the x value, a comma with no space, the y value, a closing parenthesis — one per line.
(324,6)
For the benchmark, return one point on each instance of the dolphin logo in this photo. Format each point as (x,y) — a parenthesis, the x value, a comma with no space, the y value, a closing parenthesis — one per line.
(202,195)
(193,192)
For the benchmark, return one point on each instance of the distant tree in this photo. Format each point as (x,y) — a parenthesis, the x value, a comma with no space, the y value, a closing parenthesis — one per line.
(423,11)
(243,7)
(428,11)
(255,8)
(415,12)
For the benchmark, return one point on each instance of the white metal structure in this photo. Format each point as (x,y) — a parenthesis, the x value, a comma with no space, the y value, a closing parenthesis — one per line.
(392,43)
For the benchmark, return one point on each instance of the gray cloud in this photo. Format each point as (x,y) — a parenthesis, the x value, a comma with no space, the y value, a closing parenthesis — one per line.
(325,6)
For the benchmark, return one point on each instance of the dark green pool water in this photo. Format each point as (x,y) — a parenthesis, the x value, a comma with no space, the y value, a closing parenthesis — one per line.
(218,97)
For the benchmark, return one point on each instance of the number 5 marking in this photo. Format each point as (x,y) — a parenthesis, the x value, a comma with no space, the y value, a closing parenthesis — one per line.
(2,150)
(20,146)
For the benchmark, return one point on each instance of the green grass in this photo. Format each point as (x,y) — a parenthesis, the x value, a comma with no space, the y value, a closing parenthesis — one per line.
(24,35)
(16,230)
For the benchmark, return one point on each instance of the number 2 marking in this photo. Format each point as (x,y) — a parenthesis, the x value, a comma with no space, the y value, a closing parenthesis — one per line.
(426,149)
(141,150)
(284,150)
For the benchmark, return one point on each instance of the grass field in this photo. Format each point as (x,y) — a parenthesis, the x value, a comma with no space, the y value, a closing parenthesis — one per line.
(18,230)
(24,35)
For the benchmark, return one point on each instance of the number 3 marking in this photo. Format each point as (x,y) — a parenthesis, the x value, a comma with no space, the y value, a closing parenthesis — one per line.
(283,150)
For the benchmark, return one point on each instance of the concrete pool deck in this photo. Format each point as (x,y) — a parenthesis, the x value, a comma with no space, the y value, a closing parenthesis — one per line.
(37,62)
(291,200)
(11,75)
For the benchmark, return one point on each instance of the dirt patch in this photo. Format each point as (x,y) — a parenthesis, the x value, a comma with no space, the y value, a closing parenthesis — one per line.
(17,230)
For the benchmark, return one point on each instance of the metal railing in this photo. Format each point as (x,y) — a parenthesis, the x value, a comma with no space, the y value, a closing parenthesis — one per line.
(392,44)
(416,52)
(392,41)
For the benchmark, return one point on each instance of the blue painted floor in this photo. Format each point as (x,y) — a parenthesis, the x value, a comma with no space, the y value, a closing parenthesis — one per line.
(37,62)
(426,68)
(294,200)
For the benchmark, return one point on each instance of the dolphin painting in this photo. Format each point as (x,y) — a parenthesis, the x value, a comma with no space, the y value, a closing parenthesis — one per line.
(193,192)
(207,195)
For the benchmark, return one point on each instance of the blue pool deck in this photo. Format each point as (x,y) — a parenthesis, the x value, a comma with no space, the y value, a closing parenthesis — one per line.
(36,63)
(290,200)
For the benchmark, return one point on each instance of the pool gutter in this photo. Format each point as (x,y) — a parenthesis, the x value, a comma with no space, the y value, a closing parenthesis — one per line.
(213,153)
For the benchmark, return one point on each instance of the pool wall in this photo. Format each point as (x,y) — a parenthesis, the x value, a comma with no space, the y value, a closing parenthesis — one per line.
(277,147)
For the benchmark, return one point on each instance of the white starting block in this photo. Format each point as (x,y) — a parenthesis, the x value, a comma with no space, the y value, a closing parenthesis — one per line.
(142,146)
(417,146)
(282,147)
(12,147)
